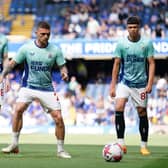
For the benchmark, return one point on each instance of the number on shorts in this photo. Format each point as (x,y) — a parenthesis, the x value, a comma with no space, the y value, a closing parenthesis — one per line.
(1,92)
(143,96)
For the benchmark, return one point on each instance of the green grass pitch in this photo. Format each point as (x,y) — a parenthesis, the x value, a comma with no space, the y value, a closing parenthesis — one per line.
(39,151)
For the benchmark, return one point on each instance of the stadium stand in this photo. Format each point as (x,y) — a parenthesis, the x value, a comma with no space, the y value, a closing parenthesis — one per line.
(5,19)
(23,7)
(69,19)
(22,25)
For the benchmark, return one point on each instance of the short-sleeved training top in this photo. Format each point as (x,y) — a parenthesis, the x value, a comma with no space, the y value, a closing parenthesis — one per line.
(38,64)
(3,49)
(134,69)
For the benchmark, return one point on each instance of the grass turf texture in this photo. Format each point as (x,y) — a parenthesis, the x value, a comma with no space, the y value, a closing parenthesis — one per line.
(39,151)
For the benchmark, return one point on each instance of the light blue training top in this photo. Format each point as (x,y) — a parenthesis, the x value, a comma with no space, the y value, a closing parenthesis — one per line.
(3,49)
(38,64)
(134,67)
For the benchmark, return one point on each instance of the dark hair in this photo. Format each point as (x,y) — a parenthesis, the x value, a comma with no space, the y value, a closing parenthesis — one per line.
(134,20)
(43,24)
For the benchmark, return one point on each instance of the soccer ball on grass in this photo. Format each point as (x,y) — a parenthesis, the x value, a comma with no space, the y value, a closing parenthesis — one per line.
(112,152)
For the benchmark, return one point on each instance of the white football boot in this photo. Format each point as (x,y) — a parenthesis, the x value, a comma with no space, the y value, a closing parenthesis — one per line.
(63,154)
(11,149)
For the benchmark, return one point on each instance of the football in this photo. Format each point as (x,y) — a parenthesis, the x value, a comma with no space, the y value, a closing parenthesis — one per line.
(112,152)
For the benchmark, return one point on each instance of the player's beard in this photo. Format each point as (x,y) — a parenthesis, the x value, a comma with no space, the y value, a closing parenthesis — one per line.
(43,42)
(134,36)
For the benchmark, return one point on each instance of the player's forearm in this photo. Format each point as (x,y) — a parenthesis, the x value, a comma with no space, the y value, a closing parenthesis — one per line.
(114,78)
(64,73)
(115,72)
(5,62)
(5,59)
(63,69)
(8,68)
(151,73)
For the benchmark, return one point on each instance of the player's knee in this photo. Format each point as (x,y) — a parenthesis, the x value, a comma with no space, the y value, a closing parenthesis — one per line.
(119,108)
(60,122)
(20,108)
(19,111)
(120,105)
(141,111)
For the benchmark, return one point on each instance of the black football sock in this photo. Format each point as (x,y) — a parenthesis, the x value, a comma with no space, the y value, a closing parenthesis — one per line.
(143,128)
(120,124)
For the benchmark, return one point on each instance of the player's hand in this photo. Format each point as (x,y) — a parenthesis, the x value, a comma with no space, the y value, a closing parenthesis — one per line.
(112,92)
(148,89)
(64,76)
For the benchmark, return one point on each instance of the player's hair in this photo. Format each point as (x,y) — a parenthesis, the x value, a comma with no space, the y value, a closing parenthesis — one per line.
(134,20)
(43,24)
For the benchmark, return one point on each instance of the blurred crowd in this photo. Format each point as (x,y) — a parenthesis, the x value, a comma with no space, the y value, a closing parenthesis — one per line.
(93,19)
(80,108)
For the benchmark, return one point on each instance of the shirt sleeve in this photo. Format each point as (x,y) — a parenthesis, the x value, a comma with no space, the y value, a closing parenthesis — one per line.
(5,49)
(20,55)
(60,60)
(150,49)
(118,51)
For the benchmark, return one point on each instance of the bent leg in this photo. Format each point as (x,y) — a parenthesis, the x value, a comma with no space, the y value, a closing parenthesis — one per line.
(60,128)
(18,116)
(16,127)
(60,133)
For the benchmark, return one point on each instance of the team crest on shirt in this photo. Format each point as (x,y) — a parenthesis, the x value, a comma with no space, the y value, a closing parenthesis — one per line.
(127,47)
(143,47)
(49,55)
(32,53)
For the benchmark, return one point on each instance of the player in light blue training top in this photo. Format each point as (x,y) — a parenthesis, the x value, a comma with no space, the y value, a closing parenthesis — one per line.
(3,50)
(39,63)
(133,55)
(5,85)
(38,57)
(133,68)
